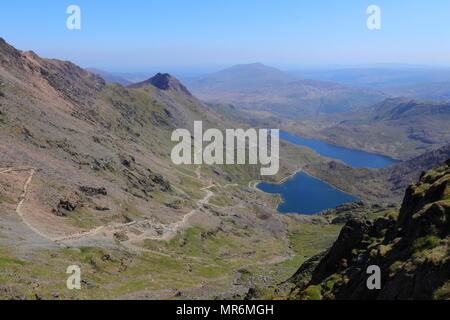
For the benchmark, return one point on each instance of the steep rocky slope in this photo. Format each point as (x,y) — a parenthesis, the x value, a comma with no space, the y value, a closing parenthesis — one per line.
(411,249)
(80,134)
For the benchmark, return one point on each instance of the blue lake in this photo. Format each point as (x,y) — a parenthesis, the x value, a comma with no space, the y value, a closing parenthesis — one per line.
(352,157)
(304,194)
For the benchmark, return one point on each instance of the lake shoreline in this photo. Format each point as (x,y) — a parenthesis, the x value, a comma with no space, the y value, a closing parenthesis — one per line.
(291,176)
(354,195)
(372,152)
(254,184)
(353,157)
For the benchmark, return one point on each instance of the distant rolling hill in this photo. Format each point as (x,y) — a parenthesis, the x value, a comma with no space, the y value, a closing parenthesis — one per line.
(418,82)
(378,76)
(110,77)
(431,91)
(399,127)
(259,87)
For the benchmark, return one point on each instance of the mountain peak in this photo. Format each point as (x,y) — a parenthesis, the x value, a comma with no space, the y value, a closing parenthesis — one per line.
(251,65)
(240,77)
(163,81)
(259,68)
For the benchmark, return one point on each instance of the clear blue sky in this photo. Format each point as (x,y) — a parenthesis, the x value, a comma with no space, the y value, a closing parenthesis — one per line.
(137,34)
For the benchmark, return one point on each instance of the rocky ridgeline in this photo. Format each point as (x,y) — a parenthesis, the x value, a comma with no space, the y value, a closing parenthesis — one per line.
(64,76)
(412,250)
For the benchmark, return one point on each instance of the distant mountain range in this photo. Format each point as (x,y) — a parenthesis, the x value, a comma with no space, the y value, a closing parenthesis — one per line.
(259,87)
(234,85)
(394,80)
(418,82)
(110,77)
(380,76)
(429,91)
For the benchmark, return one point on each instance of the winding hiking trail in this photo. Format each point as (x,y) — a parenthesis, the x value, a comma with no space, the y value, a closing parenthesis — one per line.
(168,231)
(110,229)
(23,198)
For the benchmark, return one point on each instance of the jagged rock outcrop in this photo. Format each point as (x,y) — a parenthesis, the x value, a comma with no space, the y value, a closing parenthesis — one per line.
(93,191)
(67,205)
(412,250)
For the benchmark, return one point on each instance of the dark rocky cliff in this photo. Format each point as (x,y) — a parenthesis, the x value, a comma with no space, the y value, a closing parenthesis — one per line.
(412,250)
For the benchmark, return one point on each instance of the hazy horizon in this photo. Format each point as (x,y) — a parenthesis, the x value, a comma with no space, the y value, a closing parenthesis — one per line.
(194,70)
(135,35)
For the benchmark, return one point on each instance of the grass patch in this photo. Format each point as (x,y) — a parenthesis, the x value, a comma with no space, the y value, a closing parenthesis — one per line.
(82,218)
(311,293)
(6,260)
(5,198)
(213,189)
(423,244)
(186,171)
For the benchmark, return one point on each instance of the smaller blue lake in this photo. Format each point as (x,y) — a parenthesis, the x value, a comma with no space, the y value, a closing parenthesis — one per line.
(352,157)
(306,195)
